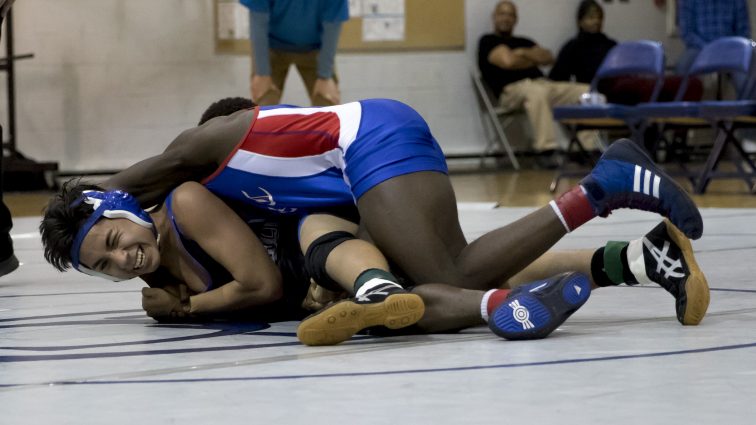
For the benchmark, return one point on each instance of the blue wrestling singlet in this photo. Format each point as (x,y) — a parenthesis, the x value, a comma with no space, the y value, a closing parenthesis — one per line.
(293,160)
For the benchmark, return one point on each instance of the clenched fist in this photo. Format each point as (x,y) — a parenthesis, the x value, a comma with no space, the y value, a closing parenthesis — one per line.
(160,304)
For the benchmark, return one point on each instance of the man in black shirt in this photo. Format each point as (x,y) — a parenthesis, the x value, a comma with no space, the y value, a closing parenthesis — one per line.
(509,65)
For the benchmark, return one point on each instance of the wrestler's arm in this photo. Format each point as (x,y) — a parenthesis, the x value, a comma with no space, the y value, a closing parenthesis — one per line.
(150,180)
(192,156)
(224,236)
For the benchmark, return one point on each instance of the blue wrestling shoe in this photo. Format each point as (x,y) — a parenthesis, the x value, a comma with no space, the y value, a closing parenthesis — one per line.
(534,310)
(626,177)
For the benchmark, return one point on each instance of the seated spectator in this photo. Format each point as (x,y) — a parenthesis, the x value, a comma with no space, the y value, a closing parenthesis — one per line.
(580,57)
(510,66)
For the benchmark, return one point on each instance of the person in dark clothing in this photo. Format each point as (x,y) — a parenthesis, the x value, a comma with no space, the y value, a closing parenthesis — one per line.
(509,64)
(580,57)
(8,261)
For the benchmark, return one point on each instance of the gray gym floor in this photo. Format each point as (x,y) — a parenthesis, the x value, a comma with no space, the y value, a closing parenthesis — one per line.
(79,350)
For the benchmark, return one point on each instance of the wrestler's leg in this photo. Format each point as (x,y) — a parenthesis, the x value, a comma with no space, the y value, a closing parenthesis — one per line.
(664,256)
(363,255)
(412,218)
(555,262)
(449,308)
(334,257)
(531,311)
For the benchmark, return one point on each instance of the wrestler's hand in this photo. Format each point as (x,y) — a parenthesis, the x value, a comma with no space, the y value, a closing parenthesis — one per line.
(159,303)
(179,290)
(326,92)
(319,297)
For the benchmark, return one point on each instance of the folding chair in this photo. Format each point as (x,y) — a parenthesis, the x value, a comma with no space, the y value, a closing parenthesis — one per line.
(494,119)
(630,58)
(733,56)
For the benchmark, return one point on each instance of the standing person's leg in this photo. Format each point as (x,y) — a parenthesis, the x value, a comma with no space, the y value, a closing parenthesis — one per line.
(307,65)
(279,69)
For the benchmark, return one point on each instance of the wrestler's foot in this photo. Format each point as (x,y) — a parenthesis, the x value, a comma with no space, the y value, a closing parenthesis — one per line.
(534,310)
(665,256)
(625,177)
(386,305)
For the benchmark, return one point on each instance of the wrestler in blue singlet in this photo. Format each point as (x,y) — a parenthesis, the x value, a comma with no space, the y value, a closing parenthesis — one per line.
(279,237)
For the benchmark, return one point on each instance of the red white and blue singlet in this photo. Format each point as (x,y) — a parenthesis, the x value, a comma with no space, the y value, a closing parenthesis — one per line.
(295,160)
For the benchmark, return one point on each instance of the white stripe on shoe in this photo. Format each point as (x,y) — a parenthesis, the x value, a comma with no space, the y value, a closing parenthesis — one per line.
(372,284)
(648,184)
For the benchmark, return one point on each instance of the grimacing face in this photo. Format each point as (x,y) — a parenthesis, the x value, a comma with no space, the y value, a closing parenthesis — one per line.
(120,248)
(505,18)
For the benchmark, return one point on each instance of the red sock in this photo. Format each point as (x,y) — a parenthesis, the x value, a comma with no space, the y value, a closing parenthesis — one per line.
(573,208)
(491,300)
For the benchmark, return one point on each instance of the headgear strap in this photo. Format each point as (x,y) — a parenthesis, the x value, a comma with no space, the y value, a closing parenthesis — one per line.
(110,204)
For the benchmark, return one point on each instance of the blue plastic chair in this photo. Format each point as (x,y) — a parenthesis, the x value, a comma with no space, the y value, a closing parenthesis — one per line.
(725,56)
(731,115)
(728,55)
(733,56)
(629,58)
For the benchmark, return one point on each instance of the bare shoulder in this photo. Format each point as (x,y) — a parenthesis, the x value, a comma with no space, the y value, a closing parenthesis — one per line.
(215,138)
(229,128)
(190,196)
(193,207)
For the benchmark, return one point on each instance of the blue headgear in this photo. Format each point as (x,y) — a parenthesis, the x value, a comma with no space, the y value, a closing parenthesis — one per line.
(110,204)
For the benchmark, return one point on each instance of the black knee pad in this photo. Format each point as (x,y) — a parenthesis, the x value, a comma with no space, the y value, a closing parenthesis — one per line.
(317,254)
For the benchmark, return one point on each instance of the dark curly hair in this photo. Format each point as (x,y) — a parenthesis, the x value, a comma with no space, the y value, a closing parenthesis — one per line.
(226,106)
(61,222)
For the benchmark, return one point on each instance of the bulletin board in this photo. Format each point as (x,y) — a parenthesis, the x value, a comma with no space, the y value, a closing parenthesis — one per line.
(427,25)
